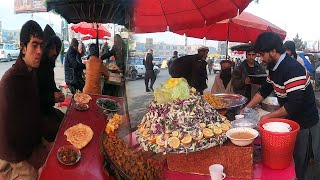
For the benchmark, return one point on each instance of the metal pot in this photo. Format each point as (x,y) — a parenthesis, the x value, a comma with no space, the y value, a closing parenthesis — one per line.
(270,104)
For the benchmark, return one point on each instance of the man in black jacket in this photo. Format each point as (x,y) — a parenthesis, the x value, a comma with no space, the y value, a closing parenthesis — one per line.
(240,80)
(193,68)
(49,94)
(73,68)
(147,62)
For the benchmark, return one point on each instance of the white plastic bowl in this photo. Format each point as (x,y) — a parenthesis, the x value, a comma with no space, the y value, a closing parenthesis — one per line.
(242,142)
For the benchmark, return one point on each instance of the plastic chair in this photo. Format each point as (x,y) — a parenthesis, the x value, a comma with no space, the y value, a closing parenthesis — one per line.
(65,103)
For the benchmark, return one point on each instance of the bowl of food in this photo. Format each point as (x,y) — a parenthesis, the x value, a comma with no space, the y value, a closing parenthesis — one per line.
(242,136)
(108,104)
(81,106)
(270,104)
(68,155)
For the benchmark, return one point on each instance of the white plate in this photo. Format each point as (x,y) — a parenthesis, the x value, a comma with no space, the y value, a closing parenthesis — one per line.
(277,127)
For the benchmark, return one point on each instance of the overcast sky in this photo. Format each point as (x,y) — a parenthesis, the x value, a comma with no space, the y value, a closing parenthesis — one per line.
(294,16)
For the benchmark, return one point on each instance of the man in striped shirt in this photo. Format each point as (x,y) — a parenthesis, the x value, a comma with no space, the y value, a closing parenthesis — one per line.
(291,84)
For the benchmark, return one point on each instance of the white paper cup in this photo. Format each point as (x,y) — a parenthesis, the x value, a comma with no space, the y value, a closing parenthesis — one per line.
(216,172)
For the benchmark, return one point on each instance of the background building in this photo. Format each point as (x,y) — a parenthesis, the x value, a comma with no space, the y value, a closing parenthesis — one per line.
(164,50)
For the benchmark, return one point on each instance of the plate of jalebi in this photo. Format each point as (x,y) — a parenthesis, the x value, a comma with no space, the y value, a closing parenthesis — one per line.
(225,101)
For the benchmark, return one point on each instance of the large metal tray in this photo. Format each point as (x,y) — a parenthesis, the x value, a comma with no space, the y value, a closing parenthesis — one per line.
(232,100)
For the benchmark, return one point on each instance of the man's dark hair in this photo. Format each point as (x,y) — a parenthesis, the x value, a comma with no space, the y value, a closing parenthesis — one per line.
(74,42)
(268,41)
(250,49)
(225,61)
(175,53)
(29,29)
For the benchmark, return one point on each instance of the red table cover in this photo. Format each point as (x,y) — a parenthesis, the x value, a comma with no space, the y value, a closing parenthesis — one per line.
(90,165)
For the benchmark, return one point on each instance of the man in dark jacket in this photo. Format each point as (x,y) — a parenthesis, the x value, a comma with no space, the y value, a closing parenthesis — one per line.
(291,84)
(147,62)
(20,123)
(192,68)
(174,57)
(49,93)
(73,68)
(119,51)
(241,82)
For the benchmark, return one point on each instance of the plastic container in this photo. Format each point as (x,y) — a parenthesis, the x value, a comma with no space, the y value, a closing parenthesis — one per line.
(277,148)
(244,122)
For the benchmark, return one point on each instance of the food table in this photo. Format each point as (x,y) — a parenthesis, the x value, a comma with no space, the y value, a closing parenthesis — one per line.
(90,165)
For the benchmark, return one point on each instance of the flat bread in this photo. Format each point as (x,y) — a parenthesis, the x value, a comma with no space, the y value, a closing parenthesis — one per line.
(79,135)
(82,98)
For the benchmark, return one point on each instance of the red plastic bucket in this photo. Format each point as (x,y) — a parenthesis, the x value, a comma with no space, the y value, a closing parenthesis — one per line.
(277,148)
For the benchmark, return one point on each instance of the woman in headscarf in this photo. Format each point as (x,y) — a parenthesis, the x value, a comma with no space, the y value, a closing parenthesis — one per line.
(94,70)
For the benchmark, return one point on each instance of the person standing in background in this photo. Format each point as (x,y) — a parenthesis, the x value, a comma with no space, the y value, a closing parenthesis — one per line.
(73,68)
(62,53)
(222,81)
(241,82)
(174,57)
(148,64)
(94,69)
(193,68)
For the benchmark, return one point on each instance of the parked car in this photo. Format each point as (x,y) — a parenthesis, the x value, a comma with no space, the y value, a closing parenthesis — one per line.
(8,52)
(136,68)
(157,61)
(216,65)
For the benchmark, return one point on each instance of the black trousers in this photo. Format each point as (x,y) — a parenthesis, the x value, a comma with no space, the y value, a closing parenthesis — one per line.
(149,75)
(307,146)
(51,121)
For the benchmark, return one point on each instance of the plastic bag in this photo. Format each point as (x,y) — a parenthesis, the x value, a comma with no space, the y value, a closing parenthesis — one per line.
(250,113)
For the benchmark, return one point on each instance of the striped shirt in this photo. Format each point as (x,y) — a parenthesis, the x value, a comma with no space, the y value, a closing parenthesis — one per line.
(291,84)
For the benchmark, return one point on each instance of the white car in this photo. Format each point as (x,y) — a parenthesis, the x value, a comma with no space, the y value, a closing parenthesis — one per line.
(8,52)
(136,68)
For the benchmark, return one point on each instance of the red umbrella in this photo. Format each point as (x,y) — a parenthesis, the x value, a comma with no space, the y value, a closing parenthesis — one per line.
(245,27)
(157,15)
(91,29)
(87,37)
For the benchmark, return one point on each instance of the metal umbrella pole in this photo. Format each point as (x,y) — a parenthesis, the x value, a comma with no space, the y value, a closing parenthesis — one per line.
(227,39)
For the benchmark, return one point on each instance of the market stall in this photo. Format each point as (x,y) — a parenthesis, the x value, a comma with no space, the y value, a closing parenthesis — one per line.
(178,150)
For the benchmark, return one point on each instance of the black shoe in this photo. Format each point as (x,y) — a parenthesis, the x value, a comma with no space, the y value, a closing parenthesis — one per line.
(147,90)
(151,88)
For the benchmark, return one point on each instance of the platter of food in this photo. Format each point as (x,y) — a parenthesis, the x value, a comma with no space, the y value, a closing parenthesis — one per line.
(108,104)
(180,124)
(68,155)
(81,107)
(113,68)
(225,101)
(82,98)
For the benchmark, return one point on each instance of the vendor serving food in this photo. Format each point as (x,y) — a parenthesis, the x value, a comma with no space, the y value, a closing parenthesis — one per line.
(291,84)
